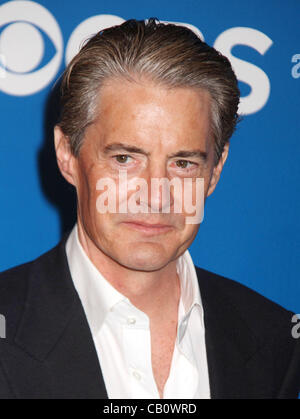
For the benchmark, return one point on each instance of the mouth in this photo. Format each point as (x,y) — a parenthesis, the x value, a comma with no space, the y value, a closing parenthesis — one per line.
(148,228)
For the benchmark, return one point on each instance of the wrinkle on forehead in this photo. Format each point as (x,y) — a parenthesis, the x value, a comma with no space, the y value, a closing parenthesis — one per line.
(144,93)
(139,111)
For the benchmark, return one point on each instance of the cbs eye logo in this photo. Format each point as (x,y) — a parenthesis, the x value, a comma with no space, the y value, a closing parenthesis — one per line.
(28,32)
(25,28)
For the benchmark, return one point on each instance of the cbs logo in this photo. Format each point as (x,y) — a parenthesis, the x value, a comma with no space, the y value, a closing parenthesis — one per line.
(25,67)
(22,47)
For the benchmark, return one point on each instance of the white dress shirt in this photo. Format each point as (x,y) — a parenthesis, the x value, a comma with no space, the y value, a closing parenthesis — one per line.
(121,333)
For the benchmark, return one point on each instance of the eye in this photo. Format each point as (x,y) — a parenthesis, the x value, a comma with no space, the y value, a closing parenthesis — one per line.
(184,164)
(122,158)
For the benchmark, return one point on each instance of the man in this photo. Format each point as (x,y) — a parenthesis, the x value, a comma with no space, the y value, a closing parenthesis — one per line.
(118,309)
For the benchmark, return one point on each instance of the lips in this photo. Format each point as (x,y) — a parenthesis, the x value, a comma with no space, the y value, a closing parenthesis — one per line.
(148,227)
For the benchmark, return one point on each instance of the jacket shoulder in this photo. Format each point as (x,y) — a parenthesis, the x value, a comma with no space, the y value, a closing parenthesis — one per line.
(14,288)
(261,314)
(258,327)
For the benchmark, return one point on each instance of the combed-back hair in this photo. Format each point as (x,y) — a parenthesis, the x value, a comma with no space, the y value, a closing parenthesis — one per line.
(168,54)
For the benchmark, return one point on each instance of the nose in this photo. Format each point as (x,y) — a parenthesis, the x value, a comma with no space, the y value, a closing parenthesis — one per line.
(160,195)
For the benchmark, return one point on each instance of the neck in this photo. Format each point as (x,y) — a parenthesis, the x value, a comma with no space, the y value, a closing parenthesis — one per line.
(155,293)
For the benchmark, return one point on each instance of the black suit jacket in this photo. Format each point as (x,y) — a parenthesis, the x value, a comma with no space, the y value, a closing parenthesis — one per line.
(49,352)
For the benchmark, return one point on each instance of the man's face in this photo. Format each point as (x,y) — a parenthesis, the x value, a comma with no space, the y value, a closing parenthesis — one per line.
(148,131)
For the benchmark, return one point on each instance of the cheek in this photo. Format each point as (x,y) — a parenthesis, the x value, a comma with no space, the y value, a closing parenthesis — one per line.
(87,193)
(207,176)
(191,196)
(190,231)
(185,237)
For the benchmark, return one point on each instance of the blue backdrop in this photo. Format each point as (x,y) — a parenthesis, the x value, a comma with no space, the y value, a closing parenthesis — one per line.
(251,228)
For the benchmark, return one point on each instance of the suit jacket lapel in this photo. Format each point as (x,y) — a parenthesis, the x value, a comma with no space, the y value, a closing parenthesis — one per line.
(54,353)
(55,333)
(234,358)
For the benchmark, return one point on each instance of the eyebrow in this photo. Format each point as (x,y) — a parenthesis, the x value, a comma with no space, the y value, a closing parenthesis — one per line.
(202,155)
(126,147)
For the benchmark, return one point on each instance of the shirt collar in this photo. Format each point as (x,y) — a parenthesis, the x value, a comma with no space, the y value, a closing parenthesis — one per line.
(95,292)
(190,294)
(98,296)
(186,271)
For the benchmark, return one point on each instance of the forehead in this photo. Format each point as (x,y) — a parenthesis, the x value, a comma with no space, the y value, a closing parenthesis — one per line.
(150,114)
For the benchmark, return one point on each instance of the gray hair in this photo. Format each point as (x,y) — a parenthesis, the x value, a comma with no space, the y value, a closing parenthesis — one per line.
(168,54)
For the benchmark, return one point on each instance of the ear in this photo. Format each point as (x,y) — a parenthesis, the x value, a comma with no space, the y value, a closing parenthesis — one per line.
(217,170)
(66,161)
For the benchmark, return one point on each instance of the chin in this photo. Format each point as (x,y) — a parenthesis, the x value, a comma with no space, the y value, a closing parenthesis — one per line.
(146,258)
